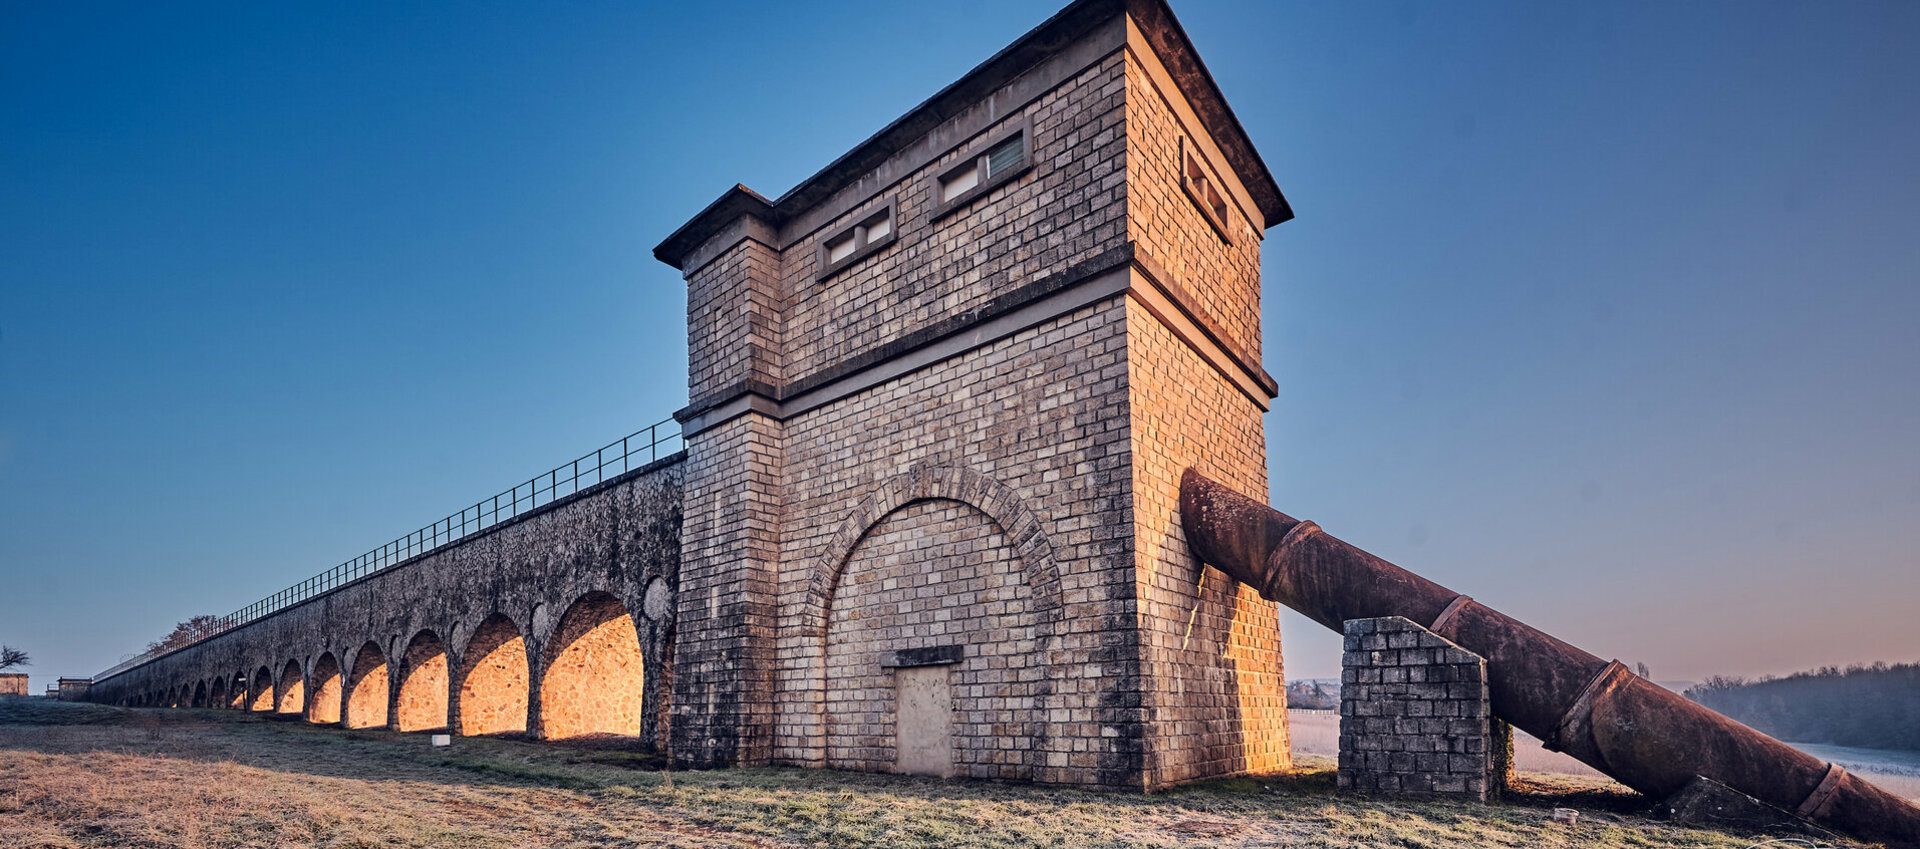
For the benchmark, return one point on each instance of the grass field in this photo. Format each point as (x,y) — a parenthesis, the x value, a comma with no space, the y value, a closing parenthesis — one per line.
(83,775)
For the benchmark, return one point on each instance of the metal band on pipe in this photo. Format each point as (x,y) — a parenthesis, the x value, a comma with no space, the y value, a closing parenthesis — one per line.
(1295,538)
(1446,616)
(1575,721)
(1816,802)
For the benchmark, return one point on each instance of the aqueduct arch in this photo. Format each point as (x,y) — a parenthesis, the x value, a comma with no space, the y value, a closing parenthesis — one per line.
(200,694)
(324,706)
(493,679)
(594,675)
(291,694)
(217,694)
(260,690)
(422,684)
(367,688)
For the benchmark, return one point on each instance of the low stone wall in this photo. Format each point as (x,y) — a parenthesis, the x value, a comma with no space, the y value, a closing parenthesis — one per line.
(1414,715)
(13,683)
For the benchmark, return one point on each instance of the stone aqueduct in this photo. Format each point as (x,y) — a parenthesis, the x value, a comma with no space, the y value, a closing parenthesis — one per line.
(926,514)
(557,644)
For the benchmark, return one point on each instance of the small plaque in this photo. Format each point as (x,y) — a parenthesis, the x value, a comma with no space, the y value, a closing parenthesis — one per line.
(935,656)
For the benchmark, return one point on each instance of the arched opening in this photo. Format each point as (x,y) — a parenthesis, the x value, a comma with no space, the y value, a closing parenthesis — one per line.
(217,694)
(173,697)
(261,692)
(367,688)
(324,707)
(237,696)
(200,694)
(291,695)
(593,674)
(493,679)
(927,651)
(423,684)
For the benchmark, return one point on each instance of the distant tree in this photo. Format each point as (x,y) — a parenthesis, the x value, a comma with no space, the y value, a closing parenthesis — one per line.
(1875,707)
(1640,669)
(190,631)
(11,657)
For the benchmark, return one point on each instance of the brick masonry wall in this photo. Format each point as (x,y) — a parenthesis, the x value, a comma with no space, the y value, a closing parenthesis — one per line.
(1029,431)
(13,683)
(1070,207)
(734,319)
(1414,715)
(1223,274)
(723,698)
(1213,645)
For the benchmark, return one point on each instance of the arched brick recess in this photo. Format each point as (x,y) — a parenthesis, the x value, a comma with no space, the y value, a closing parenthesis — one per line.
(237,695)
(291,695)
(217,694)
(1020,530)
(593,679)
(422,703)
(260,690)
(200,694)
(493,679)
(324,707)
(935,574)
(367,690)
(999,502)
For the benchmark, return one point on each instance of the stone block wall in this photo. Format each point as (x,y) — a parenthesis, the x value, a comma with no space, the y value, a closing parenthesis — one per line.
(13,683)
(1414,715)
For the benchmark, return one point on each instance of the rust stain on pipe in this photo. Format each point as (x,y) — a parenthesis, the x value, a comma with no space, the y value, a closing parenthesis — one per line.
(1643,735)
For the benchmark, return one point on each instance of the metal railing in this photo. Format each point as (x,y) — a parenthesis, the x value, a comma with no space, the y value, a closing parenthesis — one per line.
(616,458)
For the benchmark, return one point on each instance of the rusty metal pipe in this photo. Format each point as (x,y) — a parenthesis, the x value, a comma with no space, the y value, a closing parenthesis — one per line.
(1643,735)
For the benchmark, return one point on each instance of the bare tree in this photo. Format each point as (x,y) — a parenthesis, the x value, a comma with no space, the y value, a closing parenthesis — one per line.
(11,657)
(185,633)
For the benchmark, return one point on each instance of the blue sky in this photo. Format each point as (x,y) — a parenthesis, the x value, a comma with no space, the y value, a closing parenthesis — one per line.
(1602,313)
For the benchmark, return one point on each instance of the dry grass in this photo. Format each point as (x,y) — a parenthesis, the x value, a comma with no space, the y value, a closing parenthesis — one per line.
(193,778)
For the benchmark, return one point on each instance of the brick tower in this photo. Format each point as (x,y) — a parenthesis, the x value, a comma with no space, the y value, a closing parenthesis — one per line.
(942,394)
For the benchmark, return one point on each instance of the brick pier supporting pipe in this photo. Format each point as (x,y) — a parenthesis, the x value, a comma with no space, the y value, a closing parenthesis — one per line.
(1643,735)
